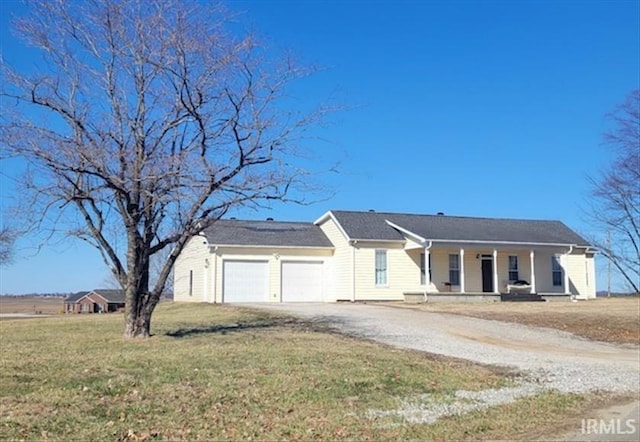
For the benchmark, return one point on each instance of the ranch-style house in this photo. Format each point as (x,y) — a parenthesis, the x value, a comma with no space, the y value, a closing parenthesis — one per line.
(373,256)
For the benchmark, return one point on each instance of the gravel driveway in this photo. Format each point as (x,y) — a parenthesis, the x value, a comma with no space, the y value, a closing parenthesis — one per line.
(549,359)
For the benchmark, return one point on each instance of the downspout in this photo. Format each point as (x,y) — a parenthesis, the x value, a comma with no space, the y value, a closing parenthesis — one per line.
(566,273)
(353,269)
(426,270)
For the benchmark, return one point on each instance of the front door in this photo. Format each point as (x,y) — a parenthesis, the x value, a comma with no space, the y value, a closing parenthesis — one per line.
(487,274)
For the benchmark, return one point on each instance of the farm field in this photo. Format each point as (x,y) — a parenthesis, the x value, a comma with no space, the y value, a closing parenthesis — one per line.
(615,320)
(44,305)
(214,372)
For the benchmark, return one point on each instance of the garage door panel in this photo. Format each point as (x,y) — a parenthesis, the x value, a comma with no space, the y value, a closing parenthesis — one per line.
(245,281)
(302,281)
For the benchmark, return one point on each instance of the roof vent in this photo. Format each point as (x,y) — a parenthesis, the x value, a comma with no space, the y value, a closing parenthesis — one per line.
(440,213)
(269,219)
(371,211)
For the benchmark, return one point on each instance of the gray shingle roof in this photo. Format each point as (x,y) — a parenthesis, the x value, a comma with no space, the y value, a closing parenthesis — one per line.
(75,297)
(374,226)
(112,296)
(266,233)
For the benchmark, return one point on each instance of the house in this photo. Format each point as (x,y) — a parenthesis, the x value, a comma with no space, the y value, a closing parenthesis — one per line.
(95,301)
(372,256)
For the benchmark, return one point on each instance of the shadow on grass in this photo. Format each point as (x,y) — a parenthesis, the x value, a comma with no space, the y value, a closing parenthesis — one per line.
(288,322)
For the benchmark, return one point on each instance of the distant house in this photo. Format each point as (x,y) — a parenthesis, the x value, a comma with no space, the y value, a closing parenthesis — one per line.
(95,301)
(370,256)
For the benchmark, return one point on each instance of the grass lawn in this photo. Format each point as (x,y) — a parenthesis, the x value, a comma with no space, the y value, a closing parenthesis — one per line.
(222,373)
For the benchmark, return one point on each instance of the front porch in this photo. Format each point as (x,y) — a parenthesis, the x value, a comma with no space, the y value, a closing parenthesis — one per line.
(473,273)
(422,297)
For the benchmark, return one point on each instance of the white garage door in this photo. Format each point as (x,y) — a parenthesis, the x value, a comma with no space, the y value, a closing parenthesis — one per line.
(245,281)
(301,281)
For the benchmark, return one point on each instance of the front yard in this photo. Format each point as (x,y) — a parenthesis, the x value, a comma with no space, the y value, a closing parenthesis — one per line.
(615,320)
(223,373)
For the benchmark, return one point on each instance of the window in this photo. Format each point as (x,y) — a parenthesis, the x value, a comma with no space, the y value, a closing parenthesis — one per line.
(513,268)
(381,267)
(454,269)
(190,282)
(556,271)
(422,270)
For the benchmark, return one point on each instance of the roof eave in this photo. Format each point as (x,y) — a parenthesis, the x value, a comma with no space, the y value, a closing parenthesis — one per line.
(266,246)
(330,215)
(489,242)
(407,232)
(398,241)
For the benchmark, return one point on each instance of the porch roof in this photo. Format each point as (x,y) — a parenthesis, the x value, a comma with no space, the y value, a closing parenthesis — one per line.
(383,226)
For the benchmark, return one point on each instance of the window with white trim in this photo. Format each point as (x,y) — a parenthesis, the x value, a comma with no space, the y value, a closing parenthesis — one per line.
(381,267)
(423,279)
(454,269)
(513,268)
(556,271)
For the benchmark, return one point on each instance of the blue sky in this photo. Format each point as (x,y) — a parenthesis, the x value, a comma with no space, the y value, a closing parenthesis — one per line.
(475,108)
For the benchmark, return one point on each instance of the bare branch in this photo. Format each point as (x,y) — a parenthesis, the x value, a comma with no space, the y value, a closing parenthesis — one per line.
(149,121)
(615,205)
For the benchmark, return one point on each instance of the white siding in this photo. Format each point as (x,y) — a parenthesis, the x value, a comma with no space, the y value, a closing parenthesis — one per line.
(341,284)
(544,276)
(403,273)
(581,275)
(192,259)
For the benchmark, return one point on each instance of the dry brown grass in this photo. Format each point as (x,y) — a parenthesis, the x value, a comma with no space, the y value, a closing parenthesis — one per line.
(615,320)
(223,373)
(31,304)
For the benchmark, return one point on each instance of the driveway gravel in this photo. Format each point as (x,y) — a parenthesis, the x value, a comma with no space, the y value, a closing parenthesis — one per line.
(548,359)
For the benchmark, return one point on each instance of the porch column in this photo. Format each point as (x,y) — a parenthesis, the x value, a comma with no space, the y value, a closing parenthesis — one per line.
(532,258)
(496,289)
(461,270)
(427,276)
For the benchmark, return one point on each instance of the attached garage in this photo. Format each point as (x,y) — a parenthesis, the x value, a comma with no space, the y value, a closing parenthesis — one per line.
(236,261)
(245,281)
(302,281)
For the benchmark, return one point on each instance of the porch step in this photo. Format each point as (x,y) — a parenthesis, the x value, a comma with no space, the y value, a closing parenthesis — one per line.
(521,297)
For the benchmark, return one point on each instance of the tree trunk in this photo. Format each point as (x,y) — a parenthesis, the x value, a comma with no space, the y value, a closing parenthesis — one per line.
(138,314)
(138,324)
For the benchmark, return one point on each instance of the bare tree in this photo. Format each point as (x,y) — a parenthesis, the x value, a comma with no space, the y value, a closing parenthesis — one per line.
(144,123)
(7,238)
(615,209)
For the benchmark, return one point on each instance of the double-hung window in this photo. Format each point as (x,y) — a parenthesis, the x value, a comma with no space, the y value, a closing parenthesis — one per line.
(454,269)
(513,268)
(556,271)
(423,279)
(381,267)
